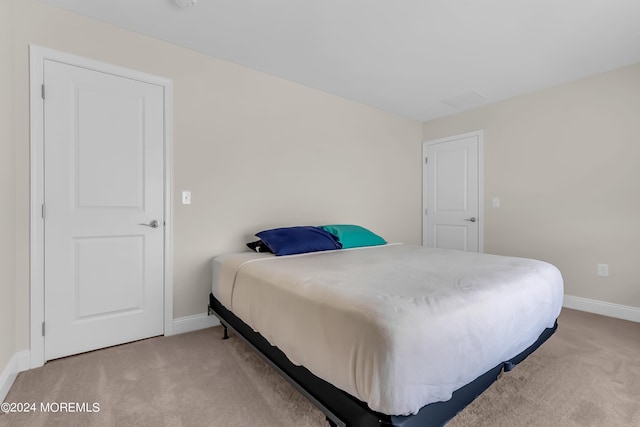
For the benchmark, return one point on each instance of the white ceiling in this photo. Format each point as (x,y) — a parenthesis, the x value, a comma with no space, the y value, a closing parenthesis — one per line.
(401,56)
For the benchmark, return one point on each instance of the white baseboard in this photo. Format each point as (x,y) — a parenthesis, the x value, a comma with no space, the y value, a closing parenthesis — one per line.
(602,307)
(193,323)
(19,362)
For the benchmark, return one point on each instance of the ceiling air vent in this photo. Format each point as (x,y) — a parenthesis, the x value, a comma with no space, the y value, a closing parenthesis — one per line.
(466,100)
(185,3)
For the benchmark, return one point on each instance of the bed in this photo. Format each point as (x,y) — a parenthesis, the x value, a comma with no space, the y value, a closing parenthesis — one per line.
(392,334)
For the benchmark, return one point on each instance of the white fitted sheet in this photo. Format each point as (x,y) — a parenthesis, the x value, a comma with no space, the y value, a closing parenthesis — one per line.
(397,326)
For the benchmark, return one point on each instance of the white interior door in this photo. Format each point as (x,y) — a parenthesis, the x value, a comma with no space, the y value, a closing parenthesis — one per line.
(452,193)
(103,190)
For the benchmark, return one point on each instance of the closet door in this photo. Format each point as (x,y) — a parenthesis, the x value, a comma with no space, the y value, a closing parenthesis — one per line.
(104,199)
(452,193)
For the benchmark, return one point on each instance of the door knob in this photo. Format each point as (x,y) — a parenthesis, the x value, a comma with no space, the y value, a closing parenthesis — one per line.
(153,224)
(472,219)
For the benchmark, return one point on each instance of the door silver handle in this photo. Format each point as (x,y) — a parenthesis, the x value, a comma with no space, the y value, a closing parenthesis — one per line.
(472,219)
(153,224)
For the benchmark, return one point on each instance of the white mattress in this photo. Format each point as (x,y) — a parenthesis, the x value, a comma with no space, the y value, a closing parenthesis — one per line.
(397,326)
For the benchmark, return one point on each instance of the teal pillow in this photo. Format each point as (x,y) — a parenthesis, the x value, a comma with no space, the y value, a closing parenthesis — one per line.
(353,236)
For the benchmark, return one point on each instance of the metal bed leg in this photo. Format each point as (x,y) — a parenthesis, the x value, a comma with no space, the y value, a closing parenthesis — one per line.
(211,311)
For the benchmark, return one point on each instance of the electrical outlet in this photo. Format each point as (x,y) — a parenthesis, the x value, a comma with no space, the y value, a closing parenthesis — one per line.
(603,270)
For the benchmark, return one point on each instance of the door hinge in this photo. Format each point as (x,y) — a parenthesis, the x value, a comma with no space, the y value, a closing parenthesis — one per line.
(426,159)
(42,91)
(44,211)
(42,328)
(426,211)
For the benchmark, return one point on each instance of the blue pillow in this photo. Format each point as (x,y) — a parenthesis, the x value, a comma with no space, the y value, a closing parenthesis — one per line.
(353,236)
(298,240)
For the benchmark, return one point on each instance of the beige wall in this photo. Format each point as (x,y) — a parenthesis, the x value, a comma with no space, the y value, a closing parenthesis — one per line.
(256,152)
(565,164)
(7,190)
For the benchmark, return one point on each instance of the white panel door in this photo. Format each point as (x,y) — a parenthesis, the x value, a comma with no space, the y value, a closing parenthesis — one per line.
(104,189)
(451,199)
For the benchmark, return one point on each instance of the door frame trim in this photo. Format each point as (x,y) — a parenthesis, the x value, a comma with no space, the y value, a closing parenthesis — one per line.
(37,56)
(425,145)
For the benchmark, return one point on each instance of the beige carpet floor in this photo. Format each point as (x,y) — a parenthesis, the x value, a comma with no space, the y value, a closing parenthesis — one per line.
(587,374)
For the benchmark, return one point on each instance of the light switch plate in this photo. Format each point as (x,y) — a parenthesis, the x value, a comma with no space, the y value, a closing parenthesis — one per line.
(186,197)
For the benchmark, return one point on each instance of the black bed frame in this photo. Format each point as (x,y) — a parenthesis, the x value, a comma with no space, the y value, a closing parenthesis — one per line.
(342,409)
